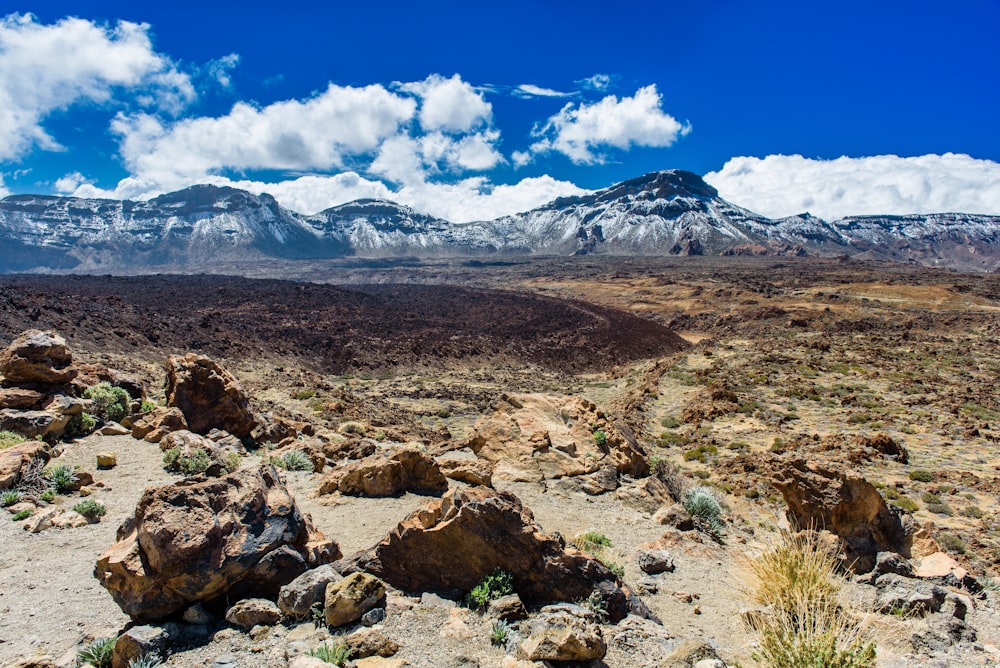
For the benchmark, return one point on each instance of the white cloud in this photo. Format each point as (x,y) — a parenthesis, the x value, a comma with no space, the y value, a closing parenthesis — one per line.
(44,68)
(3,189)
(784,185)
(530,90)
(219,69)
(599,82)
(580,131)
(70,183)
(451,104)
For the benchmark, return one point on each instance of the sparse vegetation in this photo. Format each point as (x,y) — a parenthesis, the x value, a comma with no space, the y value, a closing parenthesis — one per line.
(921,475)
(48,496)
(293,460)
(906,503)
(592,541)
(337,653)
(951,543)
(91,509)
(499,633)
(9,497)
(107,402)
(670,422)
(80,425)
(596,605)
(496,584)
(232,460)
(22,514)
(146,406)
(97,654)
(702,453)
(146,661)
(352,427)
(600,437)
(194,462)
(701,504)
(9,439)
(61,478)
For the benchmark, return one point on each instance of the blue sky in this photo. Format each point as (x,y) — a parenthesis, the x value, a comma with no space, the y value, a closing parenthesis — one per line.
(471,110)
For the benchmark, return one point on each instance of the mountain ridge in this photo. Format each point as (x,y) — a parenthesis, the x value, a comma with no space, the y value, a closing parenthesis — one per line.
(671,212)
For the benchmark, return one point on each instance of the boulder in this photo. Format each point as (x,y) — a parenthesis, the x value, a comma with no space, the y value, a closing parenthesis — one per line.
(297,597)
(22,398)
(37,357)
(403,470)
(564,633)
(139,641)
(157,423)
(907,596)
(449,545)
(201,540)
(32,424)
(106,460)
(348,599)
(469,471)
(508,608)
(543,436)
(209,396)
(370,642)
(646,495)
(15,458)
(846,505)
(654,562)
(251,612)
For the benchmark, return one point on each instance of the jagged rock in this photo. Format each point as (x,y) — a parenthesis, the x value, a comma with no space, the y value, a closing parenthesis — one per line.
(348,599)
(250,612)
(157,423)
(563,633)
(450,544)
(602,480)
(298,596)
(471,471)
(846,505)
(37,357)
(886,445)
(909,596)
(936,633)
(508,608)
(201,540)
(539,436)
(208,396)
(654,562)
(139,641)
(386,475)
(370,642)
(15,458)
(886,562)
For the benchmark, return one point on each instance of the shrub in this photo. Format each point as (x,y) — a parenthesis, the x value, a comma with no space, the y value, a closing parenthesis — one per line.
(921,475)
(670,422)
(9,439)
(194,463)
(940,509)
(352,428)
(302,395)
(701,453)
(337,653)
(614,567)
(975,512)
(930,497)
(80,425)
(906,503)
(232,461)
(701,504)
(596,605)
(592,541)
(146,406)
(97,653)
(108,403)
(294,460)
(146,661)
(600,437)
(90,509)
(951,543)
(61,478)
(499,633)
(22,514)
(9,498)
(48,496)
(496,584)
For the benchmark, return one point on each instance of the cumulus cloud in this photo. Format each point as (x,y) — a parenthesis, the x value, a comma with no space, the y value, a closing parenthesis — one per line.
(531,90)
(44,68)
(70,183)
(784,185)
(580,131)
(451,105)
(219,69)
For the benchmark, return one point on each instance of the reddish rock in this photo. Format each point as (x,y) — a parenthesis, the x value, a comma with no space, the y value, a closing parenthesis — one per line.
(157,423)
(22,398)
(448,547)
(403,470)
(471,471)
(235,536)
(37,357)
(209,396)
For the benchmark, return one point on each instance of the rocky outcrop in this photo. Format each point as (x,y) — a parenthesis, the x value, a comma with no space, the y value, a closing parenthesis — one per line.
(234,536)
(532,437)
(451,544)
(403,470)
(846,505)
(37,358)
(209,396)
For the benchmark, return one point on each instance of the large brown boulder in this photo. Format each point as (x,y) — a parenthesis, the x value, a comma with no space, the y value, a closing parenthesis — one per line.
(236,536)
(209,396)
(845,504)
(403,470)
(531,437)
(39,358)
(452,543)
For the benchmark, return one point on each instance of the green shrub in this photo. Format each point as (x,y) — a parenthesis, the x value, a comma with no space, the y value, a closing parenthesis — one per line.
(499,633)
(337,653)
(302,395)
(9,498)
(48,496)
(930,497)
(596,605)
(701,453)
(975,512)
(22,514)
(670,422)
(61,478)
(146,406)
(920,475)
(614,567)
(146,661)
(669,438)
(80,425)
(701,504)
(90,509)
(232,461)
(108,403)
(906,503)
(97,653)
(194,463)
(600,437)
(10,438)
(951,543)
(294,460)
(592,541)
(940,509)
(496,584)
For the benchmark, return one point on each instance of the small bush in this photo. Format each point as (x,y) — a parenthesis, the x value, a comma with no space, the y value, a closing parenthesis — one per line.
(499,633)
(596,605)
(9,498)
(146,406)
(294,460)
(701,504)
(701,453)
(670,422)
(232,461)
(951,543)
(906,503)
(61,478)
(48,496)
(600,437)
(91,509)
(22,514)
(146,661)
(614,567)
(194,463)
(930,497)
(496,584)
(97,653)
(80,425)
(9,439)
(669,438)
(108,403)
(337,653)
(352,428)
(921,475)
(592,541)
(302,395)
(940,509)
(975,512)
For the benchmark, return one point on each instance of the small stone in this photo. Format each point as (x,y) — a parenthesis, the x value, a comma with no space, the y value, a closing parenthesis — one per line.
(432,600)
(106,460)
(306,661)
(370,642)
(654,562)
(697,610)
(196,614)
(373,616)
(225,661)
(507,608)
(260,632)
(139,641)
(113,429)
(86,491)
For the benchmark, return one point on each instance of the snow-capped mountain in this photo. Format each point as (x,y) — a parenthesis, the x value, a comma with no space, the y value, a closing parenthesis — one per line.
(662,213)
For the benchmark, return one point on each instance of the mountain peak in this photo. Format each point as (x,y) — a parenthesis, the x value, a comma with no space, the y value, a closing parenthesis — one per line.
(664,184)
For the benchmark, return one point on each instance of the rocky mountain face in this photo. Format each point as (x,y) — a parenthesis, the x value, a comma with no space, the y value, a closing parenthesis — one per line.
(663,213)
